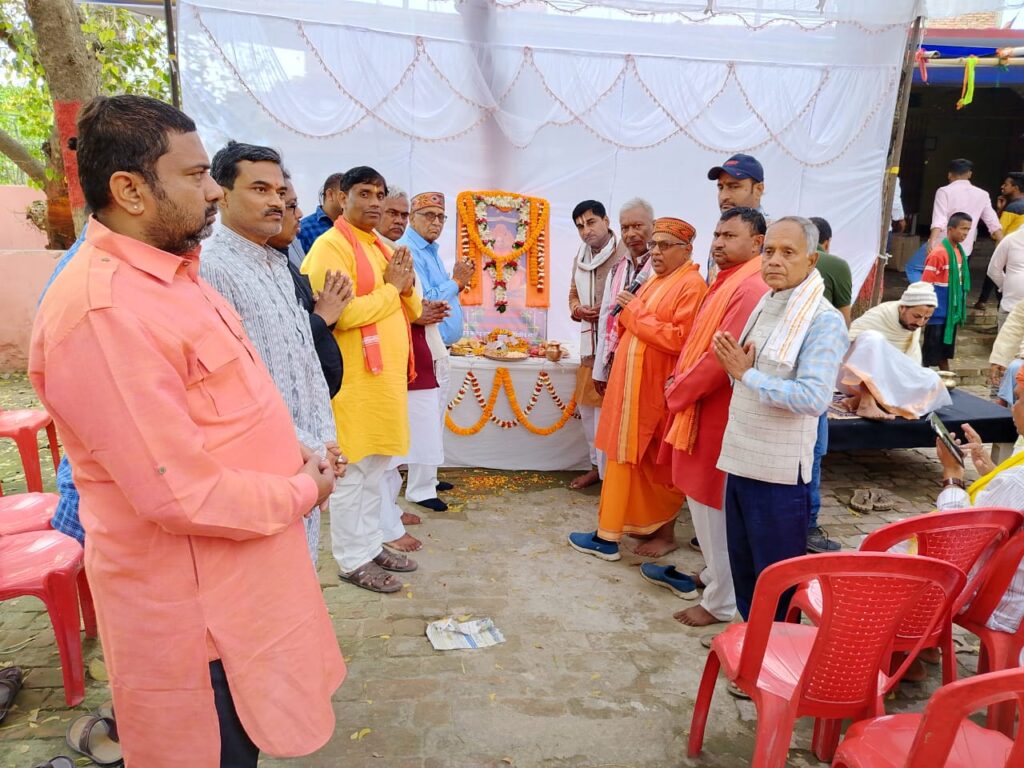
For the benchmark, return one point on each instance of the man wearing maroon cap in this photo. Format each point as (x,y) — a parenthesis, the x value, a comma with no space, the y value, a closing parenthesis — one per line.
(740,183)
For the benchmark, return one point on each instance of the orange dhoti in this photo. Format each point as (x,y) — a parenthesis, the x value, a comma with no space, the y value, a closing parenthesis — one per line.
(637,498)
(637,495)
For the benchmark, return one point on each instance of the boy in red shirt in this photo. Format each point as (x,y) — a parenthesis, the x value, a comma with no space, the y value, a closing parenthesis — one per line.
(952,280)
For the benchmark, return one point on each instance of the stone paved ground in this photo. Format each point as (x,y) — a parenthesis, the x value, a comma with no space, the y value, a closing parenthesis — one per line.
(594,672)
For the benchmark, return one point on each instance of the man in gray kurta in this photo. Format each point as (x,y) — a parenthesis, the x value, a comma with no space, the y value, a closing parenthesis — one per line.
(255,279)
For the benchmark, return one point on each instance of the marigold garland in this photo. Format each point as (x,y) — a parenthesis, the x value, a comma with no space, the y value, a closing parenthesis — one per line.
(476,243)
(502,380)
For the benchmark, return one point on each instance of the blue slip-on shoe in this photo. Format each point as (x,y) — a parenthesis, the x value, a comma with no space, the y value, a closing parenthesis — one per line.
(588,543)
(679,584)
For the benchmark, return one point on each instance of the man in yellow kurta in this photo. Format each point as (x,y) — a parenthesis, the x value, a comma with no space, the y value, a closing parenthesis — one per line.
(638,496)
(371,408)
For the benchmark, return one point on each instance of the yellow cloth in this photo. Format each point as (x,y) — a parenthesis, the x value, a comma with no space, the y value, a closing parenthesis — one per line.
(637,498)
(978,485)
(1010,222)
(371,411)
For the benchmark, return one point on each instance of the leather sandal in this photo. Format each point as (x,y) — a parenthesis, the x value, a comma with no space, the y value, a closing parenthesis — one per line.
(95,736)
(10,684)
(372,577)
(61,761)
(390,560)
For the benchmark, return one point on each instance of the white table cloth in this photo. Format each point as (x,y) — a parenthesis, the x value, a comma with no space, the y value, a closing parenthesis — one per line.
(496,448)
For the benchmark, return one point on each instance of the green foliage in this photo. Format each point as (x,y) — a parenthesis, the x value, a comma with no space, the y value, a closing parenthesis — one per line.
(131,51)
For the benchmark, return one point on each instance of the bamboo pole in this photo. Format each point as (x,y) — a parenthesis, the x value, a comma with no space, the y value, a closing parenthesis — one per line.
(895,150)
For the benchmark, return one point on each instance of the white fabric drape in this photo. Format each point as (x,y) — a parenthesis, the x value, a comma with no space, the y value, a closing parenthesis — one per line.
(567,107)
(516,448)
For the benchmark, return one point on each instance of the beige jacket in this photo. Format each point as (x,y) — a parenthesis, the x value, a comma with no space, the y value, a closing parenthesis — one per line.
(1009,342)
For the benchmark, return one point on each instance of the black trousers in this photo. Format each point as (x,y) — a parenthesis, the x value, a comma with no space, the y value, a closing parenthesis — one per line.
(236,748)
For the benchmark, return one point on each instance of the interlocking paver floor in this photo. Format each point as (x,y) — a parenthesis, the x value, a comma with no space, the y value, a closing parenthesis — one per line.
(594,673)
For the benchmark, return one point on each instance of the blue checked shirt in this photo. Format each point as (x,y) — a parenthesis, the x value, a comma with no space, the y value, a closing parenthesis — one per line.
(65,518)
(817,366)
(435,282)
(312,226)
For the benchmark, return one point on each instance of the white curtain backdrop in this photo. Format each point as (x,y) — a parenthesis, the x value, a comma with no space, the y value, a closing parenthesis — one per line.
(563,106)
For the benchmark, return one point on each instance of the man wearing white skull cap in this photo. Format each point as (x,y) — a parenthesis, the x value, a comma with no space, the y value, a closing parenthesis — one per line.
(882,373)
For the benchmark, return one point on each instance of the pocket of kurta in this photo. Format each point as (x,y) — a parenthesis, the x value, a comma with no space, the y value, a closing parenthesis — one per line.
(222,376)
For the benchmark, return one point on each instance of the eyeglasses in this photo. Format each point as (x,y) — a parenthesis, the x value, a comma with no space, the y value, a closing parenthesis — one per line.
(663,245)
(431,217)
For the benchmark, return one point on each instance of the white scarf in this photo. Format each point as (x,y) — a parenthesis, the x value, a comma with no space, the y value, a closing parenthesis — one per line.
(586,287)
(885,318)
(783,345)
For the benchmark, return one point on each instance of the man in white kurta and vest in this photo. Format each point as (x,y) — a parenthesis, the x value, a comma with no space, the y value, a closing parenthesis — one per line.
(882,374)
(783,368)
(600,251)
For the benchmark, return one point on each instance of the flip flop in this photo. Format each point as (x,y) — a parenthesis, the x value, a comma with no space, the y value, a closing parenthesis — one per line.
(95,737)
(882,500)
(863,501)
(60,761)
(10,684)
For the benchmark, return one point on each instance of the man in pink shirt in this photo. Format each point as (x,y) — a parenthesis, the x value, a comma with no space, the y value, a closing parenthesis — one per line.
(961,195)
(193,484)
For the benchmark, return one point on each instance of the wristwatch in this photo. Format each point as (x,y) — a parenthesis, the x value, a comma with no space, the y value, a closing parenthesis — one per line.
(953,481)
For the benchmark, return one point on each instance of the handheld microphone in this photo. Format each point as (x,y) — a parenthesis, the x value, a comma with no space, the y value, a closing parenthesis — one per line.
(633,287)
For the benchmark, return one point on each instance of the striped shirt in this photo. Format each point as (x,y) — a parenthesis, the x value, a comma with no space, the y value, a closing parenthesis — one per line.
(1004,490)
(256,282)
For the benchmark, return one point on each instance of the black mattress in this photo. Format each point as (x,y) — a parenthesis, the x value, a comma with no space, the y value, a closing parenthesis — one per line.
(993,423)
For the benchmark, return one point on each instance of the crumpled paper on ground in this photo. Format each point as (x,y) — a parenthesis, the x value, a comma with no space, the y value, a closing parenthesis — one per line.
(450,634)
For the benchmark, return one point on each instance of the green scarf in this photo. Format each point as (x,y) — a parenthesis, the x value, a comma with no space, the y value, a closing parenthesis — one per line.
(956,309)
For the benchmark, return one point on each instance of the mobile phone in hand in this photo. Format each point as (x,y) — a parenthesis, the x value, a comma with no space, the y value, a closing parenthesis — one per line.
(940,429)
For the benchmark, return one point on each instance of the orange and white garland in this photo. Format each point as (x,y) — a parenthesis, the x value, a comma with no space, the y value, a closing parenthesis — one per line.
(476,243)
(502,380)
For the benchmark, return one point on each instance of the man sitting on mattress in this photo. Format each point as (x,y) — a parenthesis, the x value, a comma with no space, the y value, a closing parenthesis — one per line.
(882,374)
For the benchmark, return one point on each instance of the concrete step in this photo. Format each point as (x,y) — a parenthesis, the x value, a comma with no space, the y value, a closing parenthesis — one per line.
(971,370)
(983,319)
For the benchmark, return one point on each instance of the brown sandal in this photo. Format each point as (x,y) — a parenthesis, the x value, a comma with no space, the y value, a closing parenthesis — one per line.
(95,736)
(10,683)
(372,577)
(390,560)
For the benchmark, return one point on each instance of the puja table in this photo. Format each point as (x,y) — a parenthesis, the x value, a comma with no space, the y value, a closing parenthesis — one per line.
(550,439)
(993,422)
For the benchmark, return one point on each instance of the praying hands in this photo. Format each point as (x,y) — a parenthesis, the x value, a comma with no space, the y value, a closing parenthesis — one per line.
(736,360)
(399,272)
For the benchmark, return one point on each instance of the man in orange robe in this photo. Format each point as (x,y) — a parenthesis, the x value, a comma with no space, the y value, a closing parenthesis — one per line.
(637,496)
(193,483)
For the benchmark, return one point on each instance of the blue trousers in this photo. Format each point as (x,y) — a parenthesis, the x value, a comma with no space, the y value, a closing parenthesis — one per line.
(765,523)
(820,449)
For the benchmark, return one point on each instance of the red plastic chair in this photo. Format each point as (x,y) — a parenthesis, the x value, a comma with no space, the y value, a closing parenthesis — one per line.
(26,512)
(999,650)
(830,671)
(966,538)
(941,736)
(48,565)
(22,427)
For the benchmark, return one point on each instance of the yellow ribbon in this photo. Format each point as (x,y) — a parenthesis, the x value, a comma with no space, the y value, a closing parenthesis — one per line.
(967,91)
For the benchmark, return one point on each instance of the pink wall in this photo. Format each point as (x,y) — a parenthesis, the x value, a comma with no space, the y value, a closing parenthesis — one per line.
(25,272)
(15,230)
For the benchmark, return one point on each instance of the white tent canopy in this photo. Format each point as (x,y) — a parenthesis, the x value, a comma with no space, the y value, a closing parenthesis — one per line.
(566,100)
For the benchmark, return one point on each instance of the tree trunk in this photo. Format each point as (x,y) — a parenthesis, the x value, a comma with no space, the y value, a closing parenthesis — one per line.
(73,77)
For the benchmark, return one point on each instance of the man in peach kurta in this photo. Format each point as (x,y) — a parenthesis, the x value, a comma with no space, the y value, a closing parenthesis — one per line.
(193,483)
(637,496)
(371,409)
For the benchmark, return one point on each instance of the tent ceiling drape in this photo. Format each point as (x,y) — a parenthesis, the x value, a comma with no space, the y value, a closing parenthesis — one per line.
(567,106)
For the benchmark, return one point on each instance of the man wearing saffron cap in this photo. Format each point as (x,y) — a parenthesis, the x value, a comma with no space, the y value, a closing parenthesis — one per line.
(698,396)
(371,409)
(637,496)
(428,390)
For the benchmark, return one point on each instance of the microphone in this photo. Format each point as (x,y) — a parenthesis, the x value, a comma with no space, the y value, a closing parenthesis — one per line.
(633,287)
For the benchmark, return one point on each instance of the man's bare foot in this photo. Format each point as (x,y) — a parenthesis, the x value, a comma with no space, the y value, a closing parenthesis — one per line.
(696,616)
(406,543)
(868,409)
(585,480)
(850,404)
(661,542)
(408,518)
